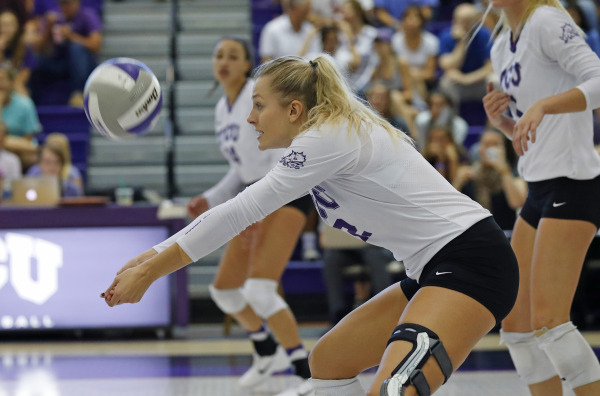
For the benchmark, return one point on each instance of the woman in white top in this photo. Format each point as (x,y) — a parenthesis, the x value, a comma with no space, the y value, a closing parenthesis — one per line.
(367,179)
(550,80)
(248,275)
(417,48)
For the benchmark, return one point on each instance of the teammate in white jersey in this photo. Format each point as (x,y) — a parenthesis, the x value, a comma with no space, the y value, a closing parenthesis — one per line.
(550,80)
(247,279)
(366,178)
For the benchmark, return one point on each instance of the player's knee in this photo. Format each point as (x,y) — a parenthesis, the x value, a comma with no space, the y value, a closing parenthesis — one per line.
(531,363)
(229,301)
(571,355)
(426,343)
(262,296)
(543,317)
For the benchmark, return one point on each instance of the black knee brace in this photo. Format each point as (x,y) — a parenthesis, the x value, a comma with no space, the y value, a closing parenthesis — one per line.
(425,344)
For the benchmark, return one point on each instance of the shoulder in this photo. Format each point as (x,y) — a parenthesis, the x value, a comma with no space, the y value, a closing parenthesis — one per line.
(9,157)
(546,18)
(275,24)
(430,39)
(21,101)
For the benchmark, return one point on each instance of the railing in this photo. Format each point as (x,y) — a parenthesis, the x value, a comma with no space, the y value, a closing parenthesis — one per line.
(171,130)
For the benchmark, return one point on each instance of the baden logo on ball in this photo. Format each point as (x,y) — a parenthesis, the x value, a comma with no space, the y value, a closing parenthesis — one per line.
(122,98)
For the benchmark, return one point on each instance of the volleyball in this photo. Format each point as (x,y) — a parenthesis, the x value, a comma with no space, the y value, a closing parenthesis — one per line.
(122,98)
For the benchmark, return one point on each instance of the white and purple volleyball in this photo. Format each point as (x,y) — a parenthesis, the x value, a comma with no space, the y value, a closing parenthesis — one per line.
(122,98)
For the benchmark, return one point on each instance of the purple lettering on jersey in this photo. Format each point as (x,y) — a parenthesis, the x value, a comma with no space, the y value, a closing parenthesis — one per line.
(568,33)
(229,132)
(511,76)
(230,152)
(350,229)
(294,160)
(323,201)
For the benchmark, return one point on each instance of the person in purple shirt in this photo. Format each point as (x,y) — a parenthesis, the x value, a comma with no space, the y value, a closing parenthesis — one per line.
(67,46)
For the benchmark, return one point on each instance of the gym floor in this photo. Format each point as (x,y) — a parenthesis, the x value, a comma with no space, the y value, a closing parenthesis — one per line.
(201,361)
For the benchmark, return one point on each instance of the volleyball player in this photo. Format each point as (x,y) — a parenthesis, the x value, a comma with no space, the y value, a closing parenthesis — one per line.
(550,80)
(365,178)
(248,275)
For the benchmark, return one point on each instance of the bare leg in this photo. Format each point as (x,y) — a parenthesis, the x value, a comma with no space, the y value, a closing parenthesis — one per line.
(457,319)
(232,273)
(560,249)
(519,319)
(274,246)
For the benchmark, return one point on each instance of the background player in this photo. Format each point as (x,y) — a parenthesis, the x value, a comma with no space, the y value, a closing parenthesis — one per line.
(551,83)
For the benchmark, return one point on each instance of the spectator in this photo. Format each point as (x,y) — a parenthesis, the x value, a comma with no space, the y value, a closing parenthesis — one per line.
(443,153)
(390,12)
(55,160)
(417,48)
(285,35)
(10,164)
(390,106)
(440,113)
(492,180)
(363,37)
(465,68)
(389,71)
(13,50)
(592,36)
(345,57)
(68,47)
(20,117)
(18,7)
(338,255)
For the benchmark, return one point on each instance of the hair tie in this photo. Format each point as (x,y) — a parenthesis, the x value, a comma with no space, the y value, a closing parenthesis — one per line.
(313,64)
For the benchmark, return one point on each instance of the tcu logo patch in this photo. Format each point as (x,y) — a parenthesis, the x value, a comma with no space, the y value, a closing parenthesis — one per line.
(294,160)
(568,32)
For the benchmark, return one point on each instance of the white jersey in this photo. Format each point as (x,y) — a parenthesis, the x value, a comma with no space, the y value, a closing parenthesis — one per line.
(238,143)
(376,189)
(550,57)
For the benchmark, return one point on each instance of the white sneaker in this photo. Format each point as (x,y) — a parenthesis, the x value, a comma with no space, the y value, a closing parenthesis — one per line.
(311,255)
(263,367)
(304,389)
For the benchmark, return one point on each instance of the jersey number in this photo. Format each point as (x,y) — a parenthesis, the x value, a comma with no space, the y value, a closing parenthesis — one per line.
(323,201)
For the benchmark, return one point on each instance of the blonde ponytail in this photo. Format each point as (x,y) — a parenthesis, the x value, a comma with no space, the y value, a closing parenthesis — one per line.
(324,93)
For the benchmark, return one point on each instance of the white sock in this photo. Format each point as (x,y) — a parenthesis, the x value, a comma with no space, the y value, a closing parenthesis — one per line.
(343,387)
(309,240)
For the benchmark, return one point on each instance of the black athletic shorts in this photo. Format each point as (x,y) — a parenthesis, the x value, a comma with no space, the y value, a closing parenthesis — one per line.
(303,204)
(478,263)
(563,198)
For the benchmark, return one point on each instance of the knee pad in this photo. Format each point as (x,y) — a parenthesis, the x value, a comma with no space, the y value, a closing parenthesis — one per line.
(229,301)
(425,344)
(570,354)
(343,387)
(262,296)
(532,364)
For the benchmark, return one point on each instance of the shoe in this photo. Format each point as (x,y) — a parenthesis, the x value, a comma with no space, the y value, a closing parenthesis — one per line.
(304,389)
(263,367)
(311,255)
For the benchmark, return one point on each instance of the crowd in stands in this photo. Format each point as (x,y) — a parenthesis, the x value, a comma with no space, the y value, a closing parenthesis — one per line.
(47,50)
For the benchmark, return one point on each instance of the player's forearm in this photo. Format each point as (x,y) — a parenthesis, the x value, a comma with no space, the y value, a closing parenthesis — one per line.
(571,101)
(168,261)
